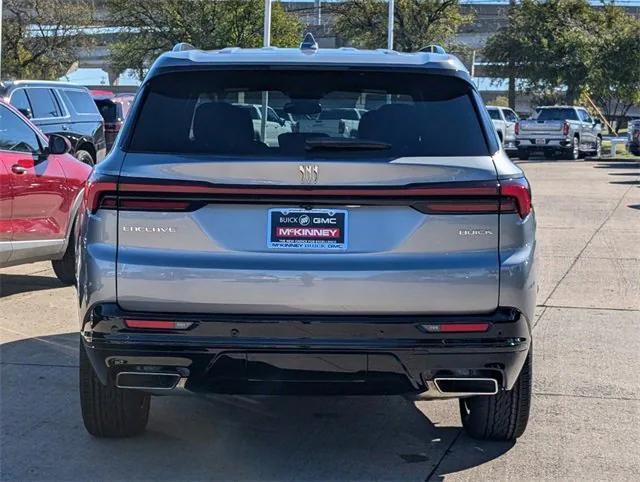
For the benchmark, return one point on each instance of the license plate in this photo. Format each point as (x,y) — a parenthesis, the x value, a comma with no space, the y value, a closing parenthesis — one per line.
(307,229)
(540,142)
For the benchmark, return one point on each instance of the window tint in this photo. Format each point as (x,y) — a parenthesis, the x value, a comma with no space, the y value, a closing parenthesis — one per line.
(15,134)
(494,114)
(81,101)
(213,113)
(108,110)
(43,103)
(272,116)
(584,116)
(557,114)
(19,100)
(510,115)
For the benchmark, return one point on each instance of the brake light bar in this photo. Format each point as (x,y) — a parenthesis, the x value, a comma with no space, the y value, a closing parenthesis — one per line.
(511,195)
(158,324)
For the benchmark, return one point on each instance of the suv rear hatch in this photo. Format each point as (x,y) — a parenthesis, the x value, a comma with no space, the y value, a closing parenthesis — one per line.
(403,219)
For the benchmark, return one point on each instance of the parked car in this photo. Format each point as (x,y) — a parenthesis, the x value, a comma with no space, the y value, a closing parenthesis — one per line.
(633,144)
(504,120)
(342,122)
(113,109)
(274,126)
(41,187)
(399,261)
(63,109)
(567,131)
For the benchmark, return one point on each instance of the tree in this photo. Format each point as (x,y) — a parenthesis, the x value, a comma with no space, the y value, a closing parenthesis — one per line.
(418,23)
(547,43)
(151,27)
(614,80)
(41,39)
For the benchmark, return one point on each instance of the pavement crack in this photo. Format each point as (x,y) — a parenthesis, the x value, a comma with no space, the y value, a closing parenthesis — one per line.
(592,397)
(444,454)
(53,365)
(598,229)
(597,308)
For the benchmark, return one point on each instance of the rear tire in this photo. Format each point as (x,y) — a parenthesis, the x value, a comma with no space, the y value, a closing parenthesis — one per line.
(523,155)
(503,416)
(65,268)
(108,411)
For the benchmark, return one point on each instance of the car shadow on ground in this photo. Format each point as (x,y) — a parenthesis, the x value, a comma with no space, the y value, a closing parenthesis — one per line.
(12,284)
(220,437)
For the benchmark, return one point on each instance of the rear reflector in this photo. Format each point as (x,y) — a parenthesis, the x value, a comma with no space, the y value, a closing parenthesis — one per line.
(158,324)
(456,327)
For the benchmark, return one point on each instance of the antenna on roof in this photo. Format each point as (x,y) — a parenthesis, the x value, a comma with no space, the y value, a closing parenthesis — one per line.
(309,43)
(182,46)
(434,49)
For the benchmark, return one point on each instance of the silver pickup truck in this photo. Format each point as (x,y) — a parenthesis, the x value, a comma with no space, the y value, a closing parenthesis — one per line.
(565,130)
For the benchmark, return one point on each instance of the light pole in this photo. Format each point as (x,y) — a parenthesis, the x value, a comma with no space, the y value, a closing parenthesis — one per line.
(390,25)
(266,42)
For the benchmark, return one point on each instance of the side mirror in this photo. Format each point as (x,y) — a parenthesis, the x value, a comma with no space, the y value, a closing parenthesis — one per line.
(26,112)
(282,121)
(58,144)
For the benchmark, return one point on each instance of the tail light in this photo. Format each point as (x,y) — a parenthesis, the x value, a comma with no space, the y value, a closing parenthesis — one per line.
(512,195)
(517,128)
(565,129)
(98,187)
(113,126)
(341,127)
(515,196)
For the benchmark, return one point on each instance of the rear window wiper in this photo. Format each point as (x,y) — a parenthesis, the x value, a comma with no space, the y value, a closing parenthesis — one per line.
(344,144)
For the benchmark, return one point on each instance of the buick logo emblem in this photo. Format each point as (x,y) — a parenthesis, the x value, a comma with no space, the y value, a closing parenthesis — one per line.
(304,220)
(308,173)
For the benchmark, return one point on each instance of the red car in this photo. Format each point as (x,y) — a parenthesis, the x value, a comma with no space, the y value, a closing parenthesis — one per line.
(41,188)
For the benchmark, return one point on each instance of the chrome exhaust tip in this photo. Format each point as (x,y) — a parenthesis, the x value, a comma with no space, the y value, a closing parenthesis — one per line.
(465,387)
(147,380)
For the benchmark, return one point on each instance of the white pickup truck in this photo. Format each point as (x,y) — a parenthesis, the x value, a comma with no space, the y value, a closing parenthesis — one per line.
(275,125)
(566,130)
(334,122)
(504,121)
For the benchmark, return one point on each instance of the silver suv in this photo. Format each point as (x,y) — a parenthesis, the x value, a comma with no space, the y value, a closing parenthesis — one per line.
(397,261)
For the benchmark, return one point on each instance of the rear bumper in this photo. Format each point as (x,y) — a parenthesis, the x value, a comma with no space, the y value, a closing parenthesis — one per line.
(549,143)
(308,354)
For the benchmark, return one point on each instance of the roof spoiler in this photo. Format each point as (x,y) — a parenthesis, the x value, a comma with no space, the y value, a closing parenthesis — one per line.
(434,49)
(182,46)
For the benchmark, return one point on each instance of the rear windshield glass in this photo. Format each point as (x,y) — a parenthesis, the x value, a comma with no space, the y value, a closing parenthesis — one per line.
(557,114)
(81,101)
(399,114)
(108,110)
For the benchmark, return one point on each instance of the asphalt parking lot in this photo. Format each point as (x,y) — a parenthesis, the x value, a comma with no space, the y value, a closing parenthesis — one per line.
(586,414)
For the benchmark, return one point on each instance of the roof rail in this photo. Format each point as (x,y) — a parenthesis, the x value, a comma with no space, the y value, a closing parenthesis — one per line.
(309,43)
(434,49)
(182,46)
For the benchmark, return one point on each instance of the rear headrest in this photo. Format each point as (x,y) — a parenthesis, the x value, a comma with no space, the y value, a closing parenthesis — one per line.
(223,127)
(392,123)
